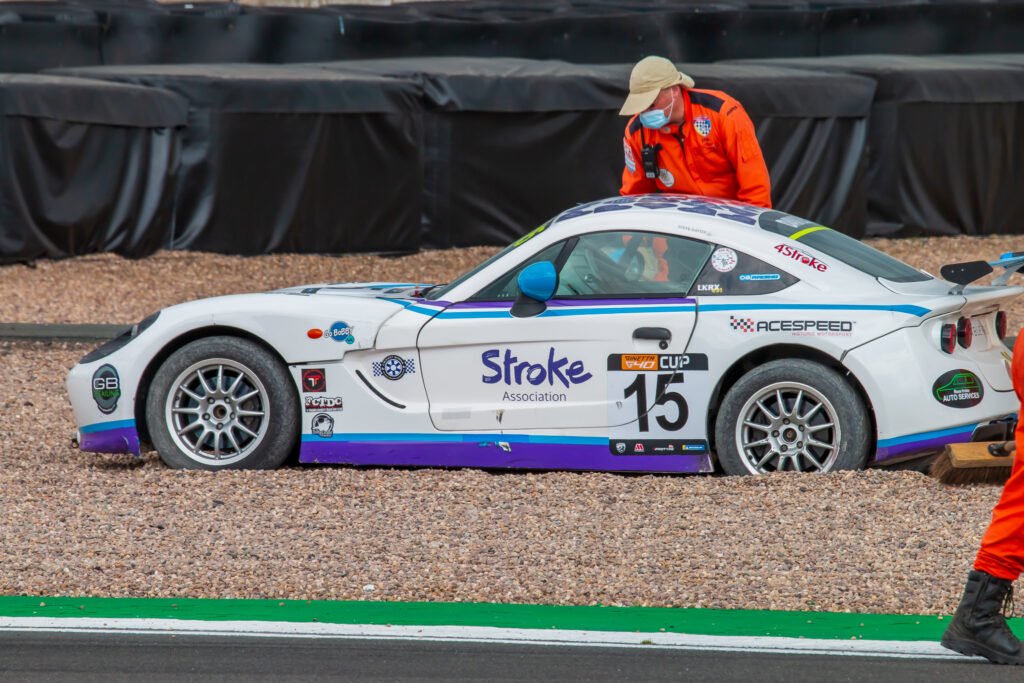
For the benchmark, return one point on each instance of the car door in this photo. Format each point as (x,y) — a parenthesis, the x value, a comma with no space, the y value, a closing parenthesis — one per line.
(620,303)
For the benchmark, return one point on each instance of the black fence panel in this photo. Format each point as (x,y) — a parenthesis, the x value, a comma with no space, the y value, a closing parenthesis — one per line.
(922,28)
(282,158)
(510,142)
(943,135)
(87,166)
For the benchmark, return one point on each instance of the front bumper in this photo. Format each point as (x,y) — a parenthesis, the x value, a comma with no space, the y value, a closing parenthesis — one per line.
(118,436)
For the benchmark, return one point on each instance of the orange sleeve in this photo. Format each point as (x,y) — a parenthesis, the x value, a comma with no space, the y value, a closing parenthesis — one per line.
(745,154)
(1017,370)
(633,179)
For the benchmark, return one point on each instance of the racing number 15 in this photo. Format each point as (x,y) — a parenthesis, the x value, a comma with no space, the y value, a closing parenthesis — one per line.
(639,389)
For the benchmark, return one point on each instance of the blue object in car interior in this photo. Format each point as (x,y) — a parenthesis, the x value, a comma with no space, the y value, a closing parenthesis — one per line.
(538,280)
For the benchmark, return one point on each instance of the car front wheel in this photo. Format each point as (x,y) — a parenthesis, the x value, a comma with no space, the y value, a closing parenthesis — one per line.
(222,403)
(791,415)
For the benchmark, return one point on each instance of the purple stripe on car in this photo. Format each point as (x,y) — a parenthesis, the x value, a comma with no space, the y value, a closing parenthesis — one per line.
(117,440)
(579,302)
(529,456)
(627,302)
(923,446)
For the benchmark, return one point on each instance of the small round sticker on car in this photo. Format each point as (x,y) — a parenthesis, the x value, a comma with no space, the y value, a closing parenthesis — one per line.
(958,389)
(723,259)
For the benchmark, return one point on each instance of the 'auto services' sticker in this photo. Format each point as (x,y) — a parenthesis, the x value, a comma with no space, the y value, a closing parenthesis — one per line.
(958,389)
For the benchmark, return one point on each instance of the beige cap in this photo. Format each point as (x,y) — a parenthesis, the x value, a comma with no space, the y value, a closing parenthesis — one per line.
(649,77)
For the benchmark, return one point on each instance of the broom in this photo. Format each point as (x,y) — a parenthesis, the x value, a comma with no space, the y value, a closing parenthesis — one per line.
(975,462)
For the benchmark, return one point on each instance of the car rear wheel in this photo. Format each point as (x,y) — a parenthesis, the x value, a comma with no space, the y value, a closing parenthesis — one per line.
(791,415)
(222,403)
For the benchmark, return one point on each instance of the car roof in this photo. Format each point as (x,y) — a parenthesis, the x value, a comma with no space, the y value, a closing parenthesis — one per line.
(665,211)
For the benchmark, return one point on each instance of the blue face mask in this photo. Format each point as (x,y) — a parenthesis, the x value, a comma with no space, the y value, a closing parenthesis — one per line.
(657,118)
(654,119)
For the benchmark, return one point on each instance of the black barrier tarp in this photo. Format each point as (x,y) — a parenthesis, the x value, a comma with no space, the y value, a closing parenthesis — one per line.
(33,38)
(40,35)
(88,166)
(582,32)
(922,28)
(282,158)
(596,32)
(511,142)
(945,137)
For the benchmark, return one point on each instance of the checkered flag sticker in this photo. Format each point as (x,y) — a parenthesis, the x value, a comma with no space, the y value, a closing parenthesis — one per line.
(394,367)
(741,324)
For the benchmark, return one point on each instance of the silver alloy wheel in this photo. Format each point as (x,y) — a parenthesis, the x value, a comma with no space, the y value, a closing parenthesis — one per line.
(217,411)
(788,426)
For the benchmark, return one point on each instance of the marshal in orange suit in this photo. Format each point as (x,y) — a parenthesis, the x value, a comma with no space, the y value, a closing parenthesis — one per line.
(979,626)
(689,141)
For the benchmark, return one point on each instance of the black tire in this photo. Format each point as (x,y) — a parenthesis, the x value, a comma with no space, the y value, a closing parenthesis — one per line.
(250,417)
(781,442)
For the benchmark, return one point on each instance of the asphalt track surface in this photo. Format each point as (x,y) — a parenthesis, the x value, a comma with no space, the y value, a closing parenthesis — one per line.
(33,657)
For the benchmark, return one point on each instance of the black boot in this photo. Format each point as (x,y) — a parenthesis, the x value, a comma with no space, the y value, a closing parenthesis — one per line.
(979,626)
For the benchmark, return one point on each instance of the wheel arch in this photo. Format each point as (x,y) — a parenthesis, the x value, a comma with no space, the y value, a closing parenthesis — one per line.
(142,393)
(774,352)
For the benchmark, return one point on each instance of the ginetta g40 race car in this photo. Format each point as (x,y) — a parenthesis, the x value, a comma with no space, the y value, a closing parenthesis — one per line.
(650,333)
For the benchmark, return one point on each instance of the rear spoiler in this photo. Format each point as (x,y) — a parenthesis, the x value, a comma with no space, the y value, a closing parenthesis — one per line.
(963,274)
(1012,261)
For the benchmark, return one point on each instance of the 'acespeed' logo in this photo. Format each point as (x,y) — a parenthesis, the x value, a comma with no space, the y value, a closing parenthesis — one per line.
(820,327)
(801,256)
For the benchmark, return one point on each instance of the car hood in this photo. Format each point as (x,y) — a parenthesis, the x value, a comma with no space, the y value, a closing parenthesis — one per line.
(378,290)
(303,324)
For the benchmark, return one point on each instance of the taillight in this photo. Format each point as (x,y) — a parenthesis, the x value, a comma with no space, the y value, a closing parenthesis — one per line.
(964,333)
(1001,325)
(947,338)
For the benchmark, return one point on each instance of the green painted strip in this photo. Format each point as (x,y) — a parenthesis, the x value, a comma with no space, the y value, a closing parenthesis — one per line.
(806,231)
(828,625)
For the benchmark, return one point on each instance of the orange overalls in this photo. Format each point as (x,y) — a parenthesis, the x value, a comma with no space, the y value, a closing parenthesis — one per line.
(1002,546)
(714,152)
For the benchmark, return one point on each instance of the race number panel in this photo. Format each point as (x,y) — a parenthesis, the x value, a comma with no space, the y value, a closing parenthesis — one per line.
(658,402)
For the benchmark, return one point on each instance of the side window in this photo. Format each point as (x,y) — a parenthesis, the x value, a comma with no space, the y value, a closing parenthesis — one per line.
(625,263)
(505,287)
(731,272)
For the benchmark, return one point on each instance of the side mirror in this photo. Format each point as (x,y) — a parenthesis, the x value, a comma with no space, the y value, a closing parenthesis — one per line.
(537,283)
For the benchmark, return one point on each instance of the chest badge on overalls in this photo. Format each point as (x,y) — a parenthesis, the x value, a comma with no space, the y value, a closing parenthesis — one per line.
(702,125)
(666,177)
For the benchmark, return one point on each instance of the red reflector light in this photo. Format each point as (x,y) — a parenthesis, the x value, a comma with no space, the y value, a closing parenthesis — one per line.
(947,338)
(1001,325)
(315,333)
(964,333)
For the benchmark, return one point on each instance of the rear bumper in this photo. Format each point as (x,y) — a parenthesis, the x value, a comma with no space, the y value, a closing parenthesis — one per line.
(926,443)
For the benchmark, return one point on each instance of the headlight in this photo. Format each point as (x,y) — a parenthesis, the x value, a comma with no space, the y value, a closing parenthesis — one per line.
(120,340)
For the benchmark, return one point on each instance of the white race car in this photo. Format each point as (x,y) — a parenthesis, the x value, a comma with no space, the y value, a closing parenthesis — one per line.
(652,333)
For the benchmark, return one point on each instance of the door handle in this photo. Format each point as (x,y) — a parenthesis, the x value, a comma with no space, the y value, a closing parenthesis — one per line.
(660,334)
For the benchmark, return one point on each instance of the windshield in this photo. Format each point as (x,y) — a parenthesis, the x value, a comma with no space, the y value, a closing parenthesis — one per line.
(437,293)
(840,247)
